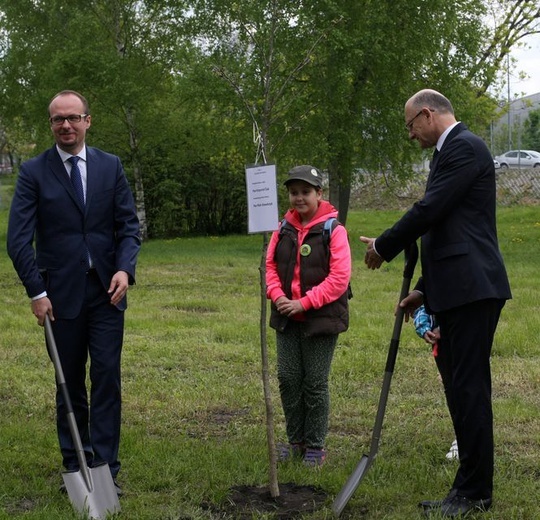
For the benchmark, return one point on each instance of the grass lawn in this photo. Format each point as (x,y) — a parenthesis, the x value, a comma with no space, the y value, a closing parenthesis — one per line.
(194,413)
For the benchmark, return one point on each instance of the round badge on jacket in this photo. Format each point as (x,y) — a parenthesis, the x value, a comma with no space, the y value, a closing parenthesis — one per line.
(305,250)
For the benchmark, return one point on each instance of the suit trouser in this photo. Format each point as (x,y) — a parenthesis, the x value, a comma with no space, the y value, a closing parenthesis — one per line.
(463,361)
(97,332)
(303,365)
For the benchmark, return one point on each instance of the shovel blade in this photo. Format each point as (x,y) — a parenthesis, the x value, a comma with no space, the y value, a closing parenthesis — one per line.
(350,486)
(96,499)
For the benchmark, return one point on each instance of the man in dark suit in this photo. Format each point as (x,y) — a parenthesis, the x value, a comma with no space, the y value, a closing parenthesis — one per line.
(464,283)
(73,237)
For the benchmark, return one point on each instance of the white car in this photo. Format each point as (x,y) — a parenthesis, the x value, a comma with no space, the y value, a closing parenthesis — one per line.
(519,159)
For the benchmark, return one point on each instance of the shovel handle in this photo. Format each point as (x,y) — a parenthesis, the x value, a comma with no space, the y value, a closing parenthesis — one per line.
(411,257)
(53,352)
(61,382)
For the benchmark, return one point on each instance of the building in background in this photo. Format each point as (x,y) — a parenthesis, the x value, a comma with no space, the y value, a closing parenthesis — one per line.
(507,131)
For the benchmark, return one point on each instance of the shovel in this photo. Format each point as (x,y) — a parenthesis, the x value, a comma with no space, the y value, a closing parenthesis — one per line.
(91,490)
(411,256)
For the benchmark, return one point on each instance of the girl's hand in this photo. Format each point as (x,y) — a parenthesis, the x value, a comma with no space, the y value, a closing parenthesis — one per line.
(288,307)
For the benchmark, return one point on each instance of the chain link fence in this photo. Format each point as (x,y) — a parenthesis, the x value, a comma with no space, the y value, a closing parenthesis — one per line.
(383,192)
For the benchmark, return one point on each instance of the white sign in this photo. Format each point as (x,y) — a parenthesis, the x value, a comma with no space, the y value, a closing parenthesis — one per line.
(262,198)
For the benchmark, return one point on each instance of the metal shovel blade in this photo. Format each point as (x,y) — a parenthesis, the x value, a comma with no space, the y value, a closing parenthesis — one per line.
(97,498)
(350,486)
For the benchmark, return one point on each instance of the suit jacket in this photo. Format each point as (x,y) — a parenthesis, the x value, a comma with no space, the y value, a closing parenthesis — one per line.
(49,231)
(461,261)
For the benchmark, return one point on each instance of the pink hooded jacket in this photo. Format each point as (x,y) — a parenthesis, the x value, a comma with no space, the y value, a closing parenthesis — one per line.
(335,284)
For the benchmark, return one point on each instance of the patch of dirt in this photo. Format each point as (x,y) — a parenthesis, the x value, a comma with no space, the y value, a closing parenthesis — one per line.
(294,501)
(214,422)
(22,506)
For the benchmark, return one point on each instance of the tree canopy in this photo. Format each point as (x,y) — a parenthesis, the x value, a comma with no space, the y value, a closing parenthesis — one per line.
(188,92)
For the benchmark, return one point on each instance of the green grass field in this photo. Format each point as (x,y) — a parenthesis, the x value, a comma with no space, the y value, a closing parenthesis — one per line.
(194,414)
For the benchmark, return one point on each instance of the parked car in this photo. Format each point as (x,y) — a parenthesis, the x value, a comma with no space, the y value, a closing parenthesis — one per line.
(497,164)
(519,159)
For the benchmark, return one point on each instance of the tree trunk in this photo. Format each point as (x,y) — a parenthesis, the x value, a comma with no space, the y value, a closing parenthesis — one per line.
(344,199)
(340,192)
(272,458)
(133,144)
(137,176)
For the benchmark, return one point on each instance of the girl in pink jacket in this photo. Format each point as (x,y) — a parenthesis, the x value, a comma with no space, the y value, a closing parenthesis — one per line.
(308,269)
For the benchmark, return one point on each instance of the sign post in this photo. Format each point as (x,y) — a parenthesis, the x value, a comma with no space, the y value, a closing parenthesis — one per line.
(263,218)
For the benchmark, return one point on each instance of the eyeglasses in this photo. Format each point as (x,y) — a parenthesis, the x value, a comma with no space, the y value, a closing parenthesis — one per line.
(72,118)
(408,125)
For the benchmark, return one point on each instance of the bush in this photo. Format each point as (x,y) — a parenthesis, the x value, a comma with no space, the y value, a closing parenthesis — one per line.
(200,199)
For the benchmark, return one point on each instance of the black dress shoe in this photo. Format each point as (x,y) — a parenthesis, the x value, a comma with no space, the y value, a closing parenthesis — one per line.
(458,506)
(436,504)
(117,488)
(430,504)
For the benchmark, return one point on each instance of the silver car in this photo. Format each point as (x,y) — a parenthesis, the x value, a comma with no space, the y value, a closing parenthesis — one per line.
(519,159)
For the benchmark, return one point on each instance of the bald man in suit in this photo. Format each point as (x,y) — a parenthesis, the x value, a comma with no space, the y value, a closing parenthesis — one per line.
(463,283)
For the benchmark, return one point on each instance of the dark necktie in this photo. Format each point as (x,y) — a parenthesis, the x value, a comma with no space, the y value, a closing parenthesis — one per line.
(435,153)
(76,180)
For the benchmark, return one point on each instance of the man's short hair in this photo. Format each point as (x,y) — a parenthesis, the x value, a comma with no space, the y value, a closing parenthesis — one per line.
(86,106)
(434,100)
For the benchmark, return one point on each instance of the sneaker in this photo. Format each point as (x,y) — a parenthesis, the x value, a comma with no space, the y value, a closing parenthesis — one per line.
(453,453)
(286,452)
(314,457)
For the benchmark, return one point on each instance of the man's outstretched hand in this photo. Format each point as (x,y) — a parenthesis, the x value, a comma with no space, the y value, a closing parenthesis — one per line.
(372,259)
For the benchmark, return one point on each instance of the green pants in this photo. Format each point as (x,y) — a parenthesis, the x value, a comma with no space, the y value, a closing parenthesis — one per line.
(303,365)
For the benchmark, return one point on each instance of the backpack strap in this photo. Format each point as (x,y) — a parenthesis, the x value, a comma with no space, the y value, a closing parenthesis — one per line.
(329,226)
(327,229)
(283,224)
